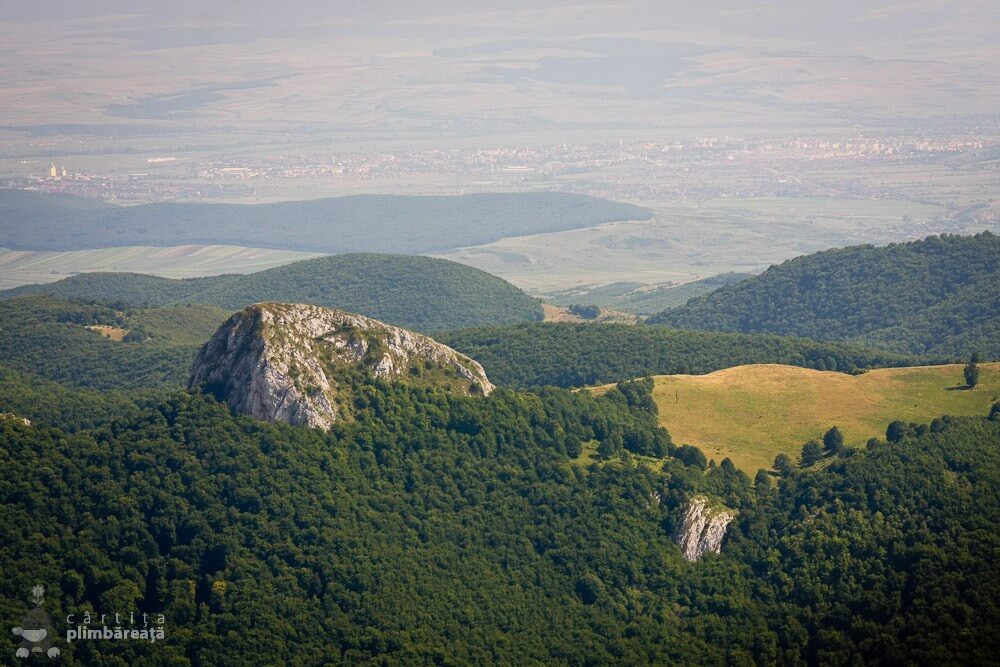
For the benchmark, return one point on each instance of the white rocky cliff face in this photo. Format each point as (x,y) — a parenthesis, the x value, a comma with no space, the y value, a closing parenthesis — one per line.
(292,362)
(702,529)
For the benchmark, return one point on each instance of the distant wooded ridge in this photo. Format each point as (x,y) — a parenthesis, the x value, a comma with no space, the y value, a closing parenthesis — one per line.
(358,223)
(421,293)
(935,296)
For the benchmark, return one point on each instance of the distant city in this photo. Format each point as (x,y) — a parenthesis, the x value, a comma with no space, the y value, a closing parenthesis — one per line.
(700,168)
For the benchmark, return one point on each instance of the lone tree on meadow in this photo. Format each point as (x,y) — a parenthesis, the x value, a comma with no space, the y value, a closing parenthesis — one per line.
(833,440)
(972,372)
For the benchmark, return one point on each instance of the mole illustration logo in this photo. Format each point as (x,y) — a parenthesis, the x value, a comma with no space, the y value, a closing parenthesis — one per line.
(35,630)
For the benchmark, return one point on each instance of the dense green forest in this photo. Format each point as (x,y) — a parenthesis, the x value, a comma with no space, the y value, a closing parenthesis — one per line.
(887,555)
(48,338)
(631,297)
(935,296)
(417,293)
(449,530)
(575,355)
(35,208)
(357,223)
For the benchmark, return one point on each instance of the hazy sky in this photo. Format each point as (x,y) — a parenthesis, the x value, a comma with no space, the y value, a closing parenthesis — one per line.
(396,69)
(840,22)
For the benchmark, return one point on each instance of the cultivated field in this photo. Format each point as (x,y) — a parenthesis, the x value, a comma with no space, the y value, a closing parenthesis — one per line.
(751,413)
(22,267)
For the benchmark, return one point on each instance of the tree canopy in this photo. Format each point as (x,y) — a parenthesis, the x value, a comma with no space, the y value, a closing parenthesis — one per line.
(573,355)
(935,296)
(439,528)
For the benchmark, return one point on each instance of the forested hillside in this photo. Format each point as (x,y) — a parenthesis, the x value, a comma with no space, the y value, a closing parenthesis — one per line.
(576,355)
(886,556)
(38,208)
(49,338)
(450,530)
(418,293)
(357,223)
(935,296)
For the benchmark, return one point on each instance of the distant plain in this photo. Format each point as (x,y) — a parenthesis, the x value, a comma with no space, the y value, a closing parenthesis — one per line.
(150,115)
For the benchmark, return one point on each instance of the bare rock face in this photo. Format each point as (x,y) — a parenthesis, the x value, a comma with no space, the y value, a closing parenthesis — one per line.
(702,529)
(295,363)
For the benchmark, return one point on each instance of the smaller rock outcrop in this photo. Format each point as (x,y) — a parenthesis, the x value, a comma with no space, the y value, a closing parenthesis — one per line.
(702,528)
(11,417)
(299,363)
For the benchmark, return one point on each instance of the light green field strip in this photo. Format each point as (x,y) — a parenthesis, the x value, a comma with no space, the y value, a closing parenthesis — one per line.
(19,267)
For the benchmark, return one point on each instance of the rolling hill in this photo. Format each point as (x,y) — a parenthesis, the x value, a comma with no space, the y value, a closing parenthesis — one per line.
(357,223)
(936,296)
(752,413)
(33,208)
(409,291)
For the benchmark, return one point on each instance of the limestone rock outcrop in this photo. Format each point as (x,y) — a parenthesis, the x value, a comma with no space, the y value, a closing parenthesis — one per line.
(298,363)
(702,528)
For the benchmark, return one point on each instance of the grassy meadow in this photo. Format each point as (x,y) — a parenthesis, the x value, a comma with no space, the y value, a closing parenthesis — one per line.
(751,413)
